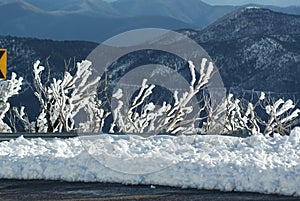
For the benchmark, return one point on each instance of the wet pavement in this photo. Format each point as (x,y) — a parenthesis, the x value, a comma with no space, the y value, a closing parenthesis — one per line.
(58,190)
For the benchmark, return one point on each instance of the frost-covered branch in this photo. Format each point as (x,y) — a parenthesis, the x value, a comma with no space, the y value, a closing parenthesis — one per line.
(165,118)
(62,99)
(8,89)
(22,116)
(282,116)
(242,115)
(96,116)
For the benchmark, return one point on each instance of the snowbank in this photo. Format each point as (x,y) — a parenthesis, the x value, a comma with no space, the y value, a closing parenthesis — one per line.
(254,164)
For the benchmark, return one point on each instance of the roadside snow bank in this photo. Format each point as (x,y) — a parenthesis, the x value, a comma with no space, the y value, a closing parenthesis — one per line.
(254,164)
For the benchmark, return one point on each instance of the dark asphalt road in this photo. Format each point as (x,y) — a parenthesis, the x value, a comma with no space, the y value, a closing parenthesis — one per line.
(56,190)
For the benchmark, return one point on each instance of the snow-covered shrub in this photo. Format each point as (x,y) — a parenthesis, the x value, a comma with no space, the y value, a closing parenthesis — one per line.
(96,116)
(282,115)
(62,99)
(166,118)
(239,116)
(266,116)
(8,88)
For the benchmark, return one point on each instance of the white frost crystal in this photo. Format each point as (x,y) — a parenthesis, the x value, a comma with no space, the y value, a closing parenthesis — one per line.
(8,88)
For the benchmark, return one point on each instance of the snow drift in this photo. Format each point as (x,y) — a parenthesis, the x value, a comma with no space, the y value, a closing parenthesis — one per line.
(253,164)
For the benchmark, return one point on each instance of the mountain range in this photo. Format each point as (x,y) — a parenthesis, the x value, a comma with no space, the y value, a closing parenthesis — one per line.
(97,20)
(255,49)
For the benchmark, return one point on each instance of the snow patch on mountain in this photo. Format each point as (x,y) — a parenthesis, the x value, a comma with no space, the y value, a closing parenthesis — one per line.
(262,52)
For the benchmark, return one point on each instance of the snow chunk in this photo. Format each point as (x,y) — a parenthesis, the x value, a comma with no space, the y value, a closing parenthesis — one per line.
(295,135)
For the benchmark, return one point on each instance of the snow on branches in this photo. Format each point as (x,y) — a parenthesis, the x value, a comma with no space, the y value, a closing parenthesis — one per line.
(8,89)
(282,117)
(166,118)
(274,116)
(62,99)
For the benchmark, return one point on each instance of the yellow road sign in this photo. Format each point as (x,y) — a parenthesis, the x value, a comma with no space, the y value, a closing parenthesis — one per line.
(3,63)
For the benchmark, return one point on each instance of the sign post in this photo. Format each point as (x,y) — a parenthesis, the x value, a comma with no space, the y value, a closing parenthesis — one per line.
(3,63)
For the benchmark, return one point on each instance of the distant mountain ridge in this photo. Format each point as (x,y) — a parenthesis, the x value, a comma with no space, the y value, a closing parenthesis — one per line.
(97,20)
(250,21)
(25,20)
(255,49)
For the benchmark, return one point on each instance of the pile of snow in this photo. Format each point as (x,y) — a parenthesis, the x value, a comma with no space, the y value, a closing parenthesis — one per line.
(253,164)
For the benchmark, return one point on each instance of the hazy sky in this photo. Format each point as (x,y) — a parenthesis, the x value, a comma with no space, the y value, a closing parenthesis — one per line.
(241,2)
(266,2)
